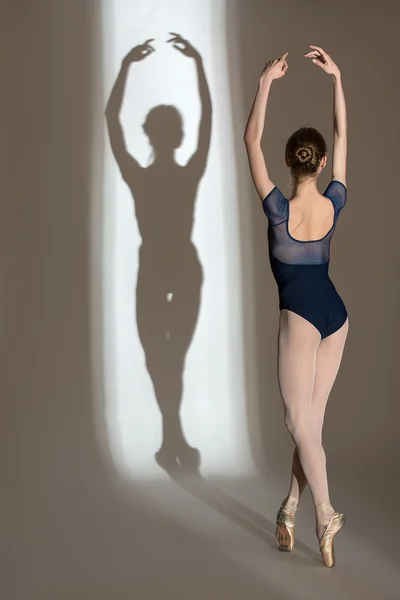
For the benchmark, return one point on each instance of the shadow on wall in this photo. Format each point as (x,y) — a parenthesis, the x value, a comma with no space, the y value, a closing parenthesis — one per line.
(170,275)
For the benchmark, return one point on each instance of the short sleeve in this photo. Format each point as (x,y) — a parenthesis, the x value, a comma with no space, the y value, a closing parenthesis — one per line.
(275,206)
(337,193)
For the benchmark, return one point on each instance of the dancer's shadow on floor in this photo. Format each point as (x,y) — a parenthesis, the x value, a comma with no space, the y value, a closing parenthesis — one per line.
(194,483)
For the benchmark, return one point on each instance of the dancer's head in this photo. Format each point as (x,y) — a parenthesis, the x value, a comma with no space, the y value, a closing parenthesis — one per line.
(164,128)
(305,154)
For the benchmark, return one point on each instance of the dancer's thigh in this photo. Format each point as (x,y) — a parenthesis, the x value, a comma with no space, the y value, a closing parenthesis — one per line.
(328,358)
(298,341)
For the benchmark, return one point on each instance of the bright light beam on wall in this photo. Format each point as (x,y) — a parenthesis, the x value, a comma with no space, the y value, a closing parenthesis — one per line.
(147,328)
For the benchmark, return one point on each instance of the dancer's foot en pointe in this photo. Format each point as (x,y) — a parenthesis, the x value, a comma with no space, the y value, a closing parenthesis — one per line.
(285,525)
(329,522)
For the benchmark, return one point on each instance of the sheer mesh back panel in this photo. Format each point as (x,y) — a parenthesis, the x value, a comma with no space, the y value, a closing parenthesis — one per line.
(288,250)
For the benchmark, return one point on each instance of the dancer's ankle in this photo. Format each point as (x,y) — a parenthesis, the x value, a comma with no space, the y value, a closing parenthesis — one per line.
(291,503)
(323,513)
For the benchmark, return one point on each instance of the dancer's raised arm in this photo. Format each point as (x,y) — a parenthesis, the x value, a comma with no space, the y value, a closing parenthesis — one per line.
(323,60)
(274,69)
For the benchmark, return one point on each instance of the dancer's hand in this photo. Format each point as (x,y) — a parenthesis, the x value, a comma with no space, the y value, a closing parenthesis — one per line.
(323,60)
(140,52)
(275,69)
(184,46)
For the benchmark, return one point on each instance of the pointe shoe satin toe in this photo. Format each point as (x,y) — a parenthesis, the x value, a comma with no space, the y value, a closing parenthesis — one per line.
(326,543)
(284,533)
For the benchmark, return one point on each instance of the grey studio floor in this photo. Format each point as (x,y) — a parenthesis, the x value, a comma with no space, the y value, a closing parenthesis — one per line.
(78,536)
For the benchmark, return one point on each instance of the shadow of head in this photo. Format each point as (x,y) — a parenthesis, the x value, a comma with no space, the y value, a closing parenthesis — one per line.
(164,128)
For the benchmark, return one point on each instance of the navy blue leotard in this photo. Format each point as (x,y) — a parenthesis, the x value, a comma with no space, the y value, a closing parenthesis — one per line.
(301,268)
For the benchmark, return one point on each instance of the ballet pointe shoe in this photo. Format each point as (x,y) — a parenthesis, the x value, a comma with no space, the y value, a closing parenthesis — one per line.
(326,544)
(284,533)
